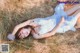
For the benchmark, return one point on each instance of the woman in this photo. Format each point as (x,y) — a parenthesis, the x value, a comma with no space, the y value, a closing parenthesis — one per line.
(62,21)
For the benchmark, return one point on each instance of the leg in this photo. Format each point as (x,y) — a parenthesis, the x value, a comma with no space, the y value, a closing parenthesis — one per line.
(77,15)
(78,23)
(72,10)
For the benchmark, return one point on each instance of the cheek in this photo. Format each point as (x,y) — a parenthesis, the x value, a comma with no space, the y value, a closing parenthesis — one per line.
(27,31)
(26,34)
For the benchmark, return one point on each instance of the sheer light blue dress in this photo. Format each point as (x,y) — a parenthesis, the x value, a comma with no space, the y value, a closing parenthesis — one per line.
(48,23)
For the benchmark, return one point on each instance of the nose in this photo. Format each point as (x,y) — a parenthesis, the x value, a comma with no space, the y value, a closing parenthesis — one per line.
(26,32)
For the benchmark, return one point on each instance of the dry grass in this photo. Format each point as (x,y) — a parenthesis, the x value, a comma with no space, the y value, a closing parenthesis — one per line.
(13,12)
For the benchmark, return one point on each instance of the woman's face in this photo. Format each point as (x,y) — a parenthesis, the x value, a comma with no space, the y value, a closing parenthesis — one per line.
(24,33)
(62,0)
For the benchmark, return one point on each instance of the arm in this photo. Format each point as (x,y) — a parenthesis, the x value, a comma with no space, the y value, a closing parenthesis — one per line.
(16,28)
(29,22)
(36,36)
